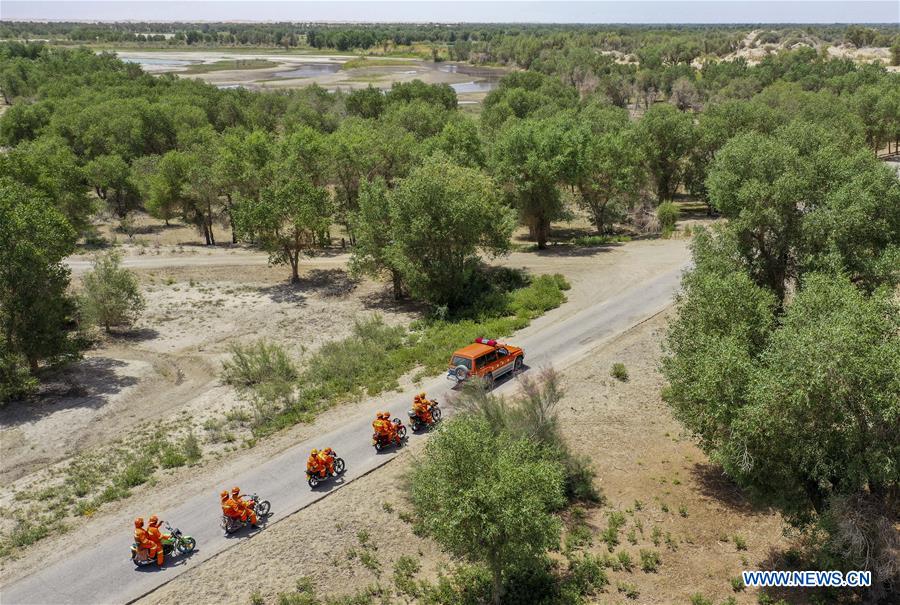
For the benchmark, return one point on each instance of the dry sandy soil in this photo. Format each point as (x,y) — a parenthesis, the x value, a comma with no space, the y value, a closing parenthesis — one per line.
(167,371)
(636,449)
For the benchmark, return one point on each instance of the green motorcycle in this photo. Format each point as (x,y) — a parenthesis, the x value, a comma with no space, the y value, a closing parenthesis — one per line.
(172,542)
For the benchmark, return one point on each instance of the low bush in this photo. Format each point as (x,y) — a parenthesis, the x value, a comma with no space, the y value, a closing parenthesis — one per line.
(667,215)
(650,560)
(258,363)
(619,372)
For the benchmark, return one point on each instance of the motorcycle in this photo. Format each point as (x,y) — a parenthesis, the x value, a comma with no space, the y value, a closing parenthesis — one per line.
(416,423)
(380,442)
(172,542)
(260,507)
(315,479)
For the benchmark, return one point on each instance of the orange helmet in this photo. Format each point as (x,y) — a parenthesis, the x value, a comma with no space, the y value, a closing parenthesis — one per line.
(235,491)
(224,495)
(379,415)
(421,395)
(315,452)
(139,522)
(153,520)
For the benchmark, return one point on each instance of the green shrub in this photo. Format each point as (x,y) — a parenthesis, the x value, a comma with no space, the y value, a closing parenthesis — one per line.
(739,542)
(625,560)
(110,294)
(135,473)
(586,574)
(171,458)
(699,599)
(737,583)
(628,589)
(405,570)
(256,364)
(650,560)
(16,382)
(190,447)
(667,215)
(619,372)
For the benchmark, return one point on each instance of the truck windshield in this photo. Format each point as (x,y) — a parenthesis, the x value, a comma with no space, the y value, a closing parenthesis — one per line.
(461,361)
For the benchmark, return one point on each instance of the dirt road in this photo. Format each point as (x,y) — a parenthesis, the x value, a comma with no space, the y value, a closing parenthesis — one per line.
(102,571)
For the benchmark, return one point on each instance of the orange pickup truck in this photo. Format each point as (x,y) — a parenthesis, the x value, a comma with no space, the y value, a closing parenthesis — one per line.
(486,359)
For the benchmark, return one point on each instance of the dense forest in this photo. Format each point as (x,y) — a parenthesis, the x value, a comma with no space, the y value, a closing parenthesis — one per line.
(785,149)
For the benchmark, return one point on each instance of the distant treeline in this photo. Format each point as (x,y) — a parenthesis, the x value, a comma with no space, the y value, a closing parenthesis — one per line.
(500,42)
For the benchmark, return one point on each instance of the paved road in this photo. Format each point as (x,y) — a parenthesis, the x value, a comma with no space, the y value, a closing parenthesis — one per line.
(103,573)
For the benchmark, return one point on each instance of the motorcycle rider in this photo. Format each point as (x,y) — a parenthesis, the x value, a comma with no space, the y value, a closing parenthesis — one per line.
(422,408)
(234,510)
(314,464)
(326,460)
(142,539)
(155,534)
(246,506)
(392,434)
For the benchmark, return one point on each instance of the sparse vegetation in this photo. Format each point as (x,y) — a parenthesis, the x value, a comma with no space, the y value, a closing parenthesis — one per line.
(619,372)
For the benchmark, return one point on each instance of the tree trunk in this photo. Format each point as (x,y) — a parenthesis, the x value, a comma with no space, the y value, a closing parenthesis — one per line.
(206,233)
(497,584)
(33,365)
(295,262)
(398,285)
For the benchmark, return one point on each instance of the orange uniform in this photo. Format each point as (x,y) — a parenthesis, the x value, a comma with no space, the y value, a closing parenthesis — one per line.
(391,429)
(143,540)
(153,531)
(326,460)
(314,464)
(422,408)
(244,506)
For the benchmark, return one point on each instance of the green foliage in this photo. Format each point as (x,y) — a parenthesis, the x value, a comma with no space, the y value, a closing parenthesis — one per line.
(286,220)
(441,216)
(650,560)
(470,467)
(666,136)
(35,310)
(667,215)
(110,295)
(257,363)
(619,372)
(527,157)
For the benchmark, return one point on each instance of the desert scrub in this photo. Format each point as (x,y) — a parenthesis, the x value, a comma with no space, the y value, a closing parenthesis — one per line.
(619,372)
(405,570)
(739,542)
(89,481)
(628,589)
(650,560)
(376,355)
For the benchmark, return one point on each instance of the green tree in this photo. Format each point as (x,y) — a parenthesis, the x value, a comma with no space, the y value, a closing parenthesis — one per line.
(48,165)
(166,186)
(487,497)
(441,216)
(366,102)
(286,220)
(528,156)
(110,176)
(35,311)
(802,201)
(604,164)
(459,140)
(374,236)
(666,136)
(110,295)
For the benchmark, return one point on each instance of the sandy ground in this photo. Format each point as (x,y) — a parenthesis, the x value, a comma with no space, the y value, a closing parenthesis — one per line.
(637,451)
(167,371)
